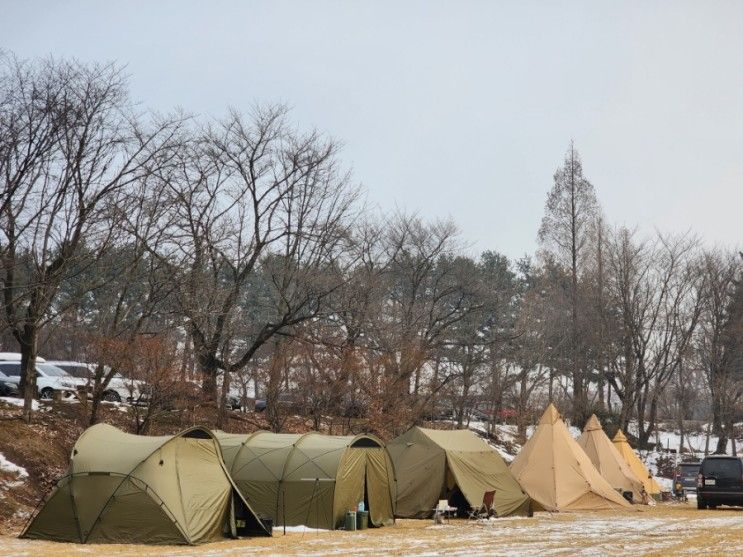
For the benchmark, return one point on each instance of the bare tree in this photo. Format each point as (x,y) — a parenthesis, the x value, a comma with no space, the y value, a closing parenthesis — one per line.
(656,294)
(69,149)
(254,211)
(428,293)
(721,324)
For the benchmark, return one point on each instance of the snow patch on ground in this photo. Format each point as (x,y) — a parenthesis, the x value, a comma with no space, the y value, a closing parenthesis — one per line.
(11,467)
(19,402)
(300,529)
(18,475)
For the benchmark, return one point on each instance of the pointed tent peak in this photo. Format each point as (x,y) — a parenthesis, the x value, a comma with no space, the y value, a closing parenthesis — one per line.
(593,424)
(550,416)
(620,437)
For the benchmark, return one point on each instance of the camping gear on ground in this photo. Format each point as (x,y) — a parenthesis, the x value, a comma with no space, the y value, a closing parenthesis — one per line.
(123,488)
(311,479)
(485,510)
(607,460)
(362,520)
(442,511)
(558,475)
(350,520)
(635,464)
(431,464)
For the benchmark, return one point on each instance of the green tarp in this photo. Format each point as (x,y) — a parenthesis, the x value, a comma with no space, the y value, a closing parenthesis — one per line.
(431,463)
(311,479)
(123,488)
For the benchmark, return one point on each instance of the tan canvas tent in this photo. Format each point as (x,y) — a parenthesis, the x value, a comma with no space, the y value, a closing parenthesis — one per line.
(607,460)
(434,464)
(558,475)
(311,479)
(123,488)
(635,464)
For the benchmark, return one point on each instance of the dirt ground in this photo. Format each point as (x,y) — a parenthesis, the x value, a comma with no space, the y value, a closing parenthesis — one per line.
(668,529)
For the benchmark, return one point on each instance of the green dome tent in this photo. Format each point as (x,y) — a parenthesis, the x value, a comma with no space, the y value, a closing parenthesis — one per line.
(431,463)
(123,488)
(311,479)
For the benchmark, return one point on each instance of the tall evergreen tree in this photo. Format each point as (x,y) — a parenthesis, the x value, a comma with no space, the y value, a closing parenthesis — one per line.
(570,213)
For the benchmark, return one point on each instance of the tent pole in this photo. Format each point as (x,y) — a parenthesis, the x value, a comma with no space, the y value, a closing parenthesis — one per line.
(309,507)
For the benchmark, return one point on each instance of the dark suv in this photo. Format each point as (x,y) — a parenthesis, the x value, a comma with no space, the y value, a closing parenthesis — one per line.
(720,482)
(685,481)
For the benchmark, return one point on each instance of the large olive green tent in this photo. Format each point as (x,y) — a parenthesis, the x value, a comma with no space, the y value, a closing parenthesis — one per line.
(434,464)
(123,488)
(311,479)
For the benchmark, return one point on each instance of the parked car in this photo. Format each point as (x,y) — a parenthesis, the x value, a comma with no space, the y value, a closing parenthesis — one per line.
(685,480)
(720,482)
(292,402)
(440,413)
(234,401)
(119,388)
(49,378)
(8,387)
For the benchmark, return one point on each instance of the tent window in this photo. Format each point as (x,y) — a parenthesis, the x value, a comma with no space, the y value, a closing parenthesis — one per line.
(198,434)
(365,442)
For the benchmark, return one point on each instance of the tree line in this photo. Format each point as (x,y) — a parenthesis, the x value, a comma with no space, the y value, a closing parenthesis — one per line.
(238,252)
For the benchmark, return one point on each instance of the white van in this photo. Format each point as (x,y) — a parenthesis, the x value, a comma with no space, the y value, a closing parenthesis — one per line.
(49,378)
(119,388)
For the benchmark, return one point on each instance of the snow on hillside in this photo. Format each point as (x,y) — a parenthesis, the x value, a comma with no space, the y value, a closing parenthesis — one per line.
(18,402)
(12,468)
(11,475)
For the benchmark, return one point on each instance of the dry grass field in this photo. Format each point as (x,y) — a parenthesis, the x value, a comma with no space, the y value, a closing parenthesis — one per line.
(669,529)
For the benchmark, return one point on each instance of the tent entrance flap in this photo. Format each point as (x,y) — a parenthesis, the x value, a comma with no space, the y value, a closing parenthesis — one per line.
(378,488)
(245,521)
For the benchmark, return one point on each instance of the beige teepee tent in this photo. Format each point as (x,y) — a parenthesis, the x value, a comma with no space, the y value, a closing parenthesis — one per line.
(607,460)
(635,464)
(557,473)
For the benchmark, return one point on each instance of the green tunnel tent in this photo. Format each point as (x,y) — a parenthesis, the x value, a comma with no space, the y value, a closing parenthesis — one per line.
(123,488)
(311,479)
(433,464)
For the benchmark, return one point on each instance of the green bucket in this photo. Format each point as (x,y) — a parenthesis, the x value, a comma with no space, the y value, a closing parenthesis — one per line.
(350,520)
(362,520)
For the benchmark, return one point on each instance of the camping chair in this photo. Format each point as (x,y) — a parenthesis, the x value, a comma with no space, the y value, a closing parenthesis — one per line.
(486,509)
(440,513)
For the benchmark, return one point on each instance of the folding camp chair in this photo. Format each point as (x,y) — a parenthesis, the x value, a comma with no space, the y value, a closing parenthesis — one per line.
(486,509)
(441,512)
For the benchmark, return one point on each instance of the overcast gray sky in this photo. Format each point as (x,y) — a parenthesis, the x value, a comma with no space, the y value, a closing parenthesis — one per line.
(460,109)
